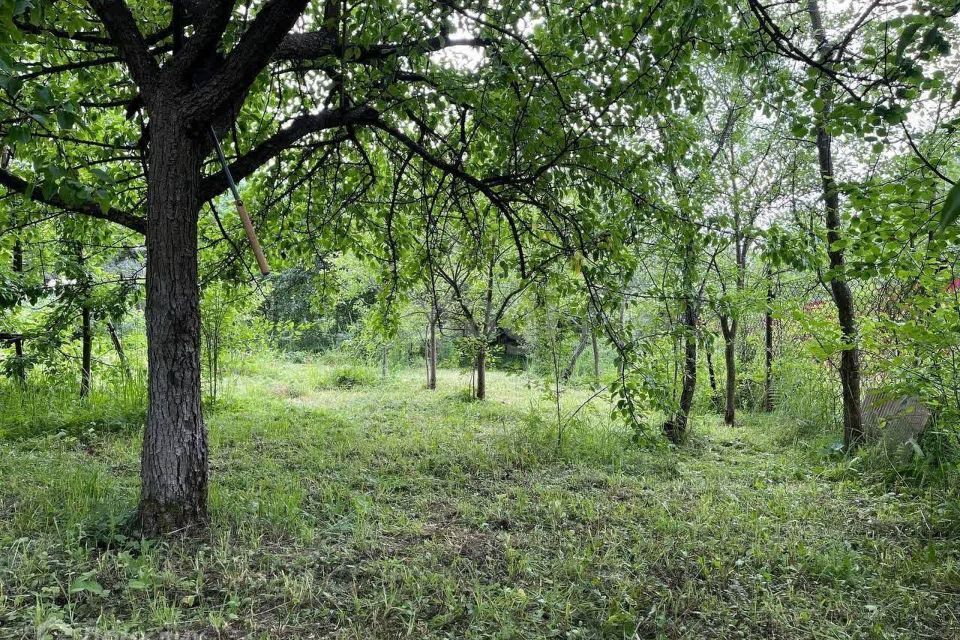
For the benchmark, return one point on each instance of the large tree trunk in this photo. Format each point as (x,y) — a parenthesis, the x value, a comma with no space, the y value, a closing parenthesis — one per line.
(481,364)
(174,461)
(728,327)
(86,339)
(853,433)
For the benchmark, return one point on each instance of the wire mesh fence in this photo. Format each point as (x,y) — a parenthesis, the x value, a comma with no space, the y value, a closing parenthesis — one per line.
(899,343)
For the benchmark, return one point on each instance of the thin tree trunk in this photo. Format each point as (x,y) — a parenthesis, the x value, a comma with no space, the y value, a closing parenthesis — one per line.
(711,374)
(118,347)
(5,154)
(86,336)
(17,254)
(768,364)
(577,352)
(676,428)
(853,433)
(623,320)
(728,327)
(175,456)
(596,355)
(432,350)
(481,373)
(86,332)
(18,352)
(383,361)
(426,349)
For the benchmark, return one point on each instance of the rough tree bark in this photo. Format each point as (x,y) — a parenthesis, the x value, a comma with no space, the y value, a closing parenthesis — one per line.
(853,433)
(174,459)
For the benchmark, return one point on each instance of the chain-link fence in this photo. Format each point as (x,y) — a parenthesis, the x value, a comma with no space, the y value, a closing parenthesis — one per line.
(901,340)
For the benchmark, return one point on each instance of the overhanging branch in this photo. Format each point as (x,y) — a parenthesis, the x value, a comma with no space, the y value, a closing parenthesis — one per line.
(17,184)
(295,130)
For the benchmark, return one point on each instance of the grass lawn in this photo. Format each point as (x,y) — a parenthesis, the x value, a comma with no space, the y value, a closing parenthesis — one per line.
(383,510)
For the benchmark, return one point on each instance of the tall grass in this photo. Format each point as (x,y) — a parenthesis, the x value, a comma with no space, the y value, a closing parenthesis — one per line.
(44,405)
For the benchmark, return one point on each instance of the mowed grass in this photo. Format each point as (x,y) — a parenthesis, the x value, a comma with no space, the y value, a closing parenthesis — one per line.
(345,506)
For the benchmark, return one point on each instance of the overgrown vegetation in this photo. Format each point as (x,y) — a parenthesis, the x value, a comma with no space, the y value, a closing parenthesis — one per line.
(389,511)
(449,319)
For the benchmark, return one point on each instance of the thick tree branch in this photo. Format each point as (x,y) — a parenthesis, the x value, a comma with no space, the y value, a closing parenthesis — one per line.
(316,44)
(245,62)
(17,184)
(203,43)
(307,46)
(122,27)
(297,129)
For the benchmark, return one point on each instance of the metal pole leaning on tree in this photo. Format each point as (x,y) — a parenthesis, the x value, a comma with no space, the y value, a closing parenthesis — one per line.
(241,210)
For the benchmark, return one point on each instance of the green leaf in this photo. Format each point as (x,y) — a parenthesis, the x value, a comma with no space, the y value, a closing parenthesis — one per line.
(66,119)
(906,38)
(81,585)
(951,208)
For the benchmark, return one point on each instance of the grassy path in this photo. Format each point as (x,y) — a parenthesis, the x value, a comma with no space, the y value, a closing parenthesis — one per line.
(386,511)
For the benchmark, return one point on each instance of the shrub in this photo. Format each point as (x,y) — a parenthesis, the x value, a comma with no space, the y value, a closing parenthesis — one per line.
(346,377)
